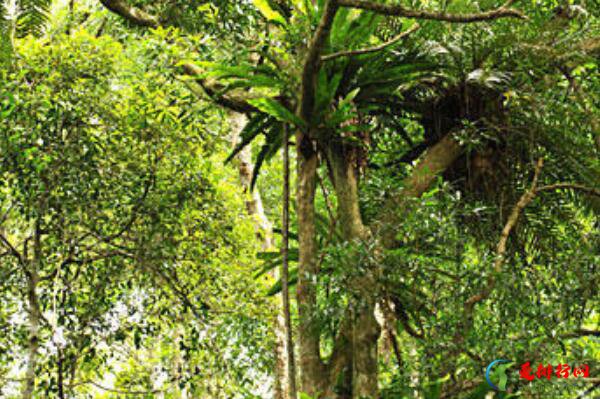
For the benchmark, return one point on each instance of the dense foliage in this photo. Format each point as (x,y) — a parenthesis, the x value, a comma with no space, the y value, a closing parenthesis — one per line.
(446,183)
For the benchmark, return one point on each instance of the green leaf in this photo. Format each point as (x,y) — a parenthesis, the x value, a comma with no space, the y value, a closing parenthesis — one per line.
(273,259)
(253,128)
(268,150)
(268,12)
(326,89)
(293,279)
(268,255)
(276,110)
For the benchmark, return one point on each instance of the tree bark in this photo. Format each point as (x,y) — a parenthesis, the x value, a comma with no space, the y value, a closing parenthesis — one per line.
(34,313)
(285,293)
(60,374)
(264,231)
(435,160)
(364,326)
(311,367)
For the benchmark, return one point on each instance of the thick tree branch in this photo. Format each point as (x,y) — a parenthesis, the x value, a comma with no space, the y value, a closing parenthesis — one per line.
(403,317)
(235,103)
(312,60)
(389,326)
(342,347)
(435,160)
(131,14)
(411,155)
(141,18)
(582,332)
(373,49)
(399,11)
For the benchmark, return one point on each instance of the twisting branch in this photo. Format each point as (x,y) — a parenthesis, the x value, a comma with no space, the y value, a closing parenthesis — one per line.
(525,199)
(174,283)
(141,18)
(469,304)
(373,49)
(131,14)
(135,211)
(398,10)
(570,186)
(402,316)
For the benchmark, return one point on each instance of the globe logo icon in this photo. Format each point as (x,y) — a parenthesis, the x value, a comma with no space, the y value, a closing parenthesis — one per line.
(499,374)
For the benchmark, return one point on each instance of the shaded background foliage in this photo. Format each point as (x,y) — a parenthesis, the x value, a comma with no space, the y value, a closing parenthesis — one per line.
(186,300)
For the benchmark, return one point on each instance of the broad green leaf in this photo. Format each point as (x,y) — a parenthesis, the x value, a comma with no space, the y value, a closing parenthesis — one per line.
(278,111)
(293,279)
(268,12)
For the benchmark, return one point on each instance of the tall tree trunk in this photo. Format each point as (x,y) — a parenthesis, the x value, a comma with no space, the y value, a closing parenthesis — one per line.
(264,230)
(60,374)
(34,313)
(311,367)
(364,326)
(34,325)
(285,293)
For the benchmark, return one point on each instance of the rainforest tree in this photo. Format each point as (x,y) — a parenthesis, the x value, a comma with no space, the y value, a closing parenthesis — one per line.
(446,174)
(116,230)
